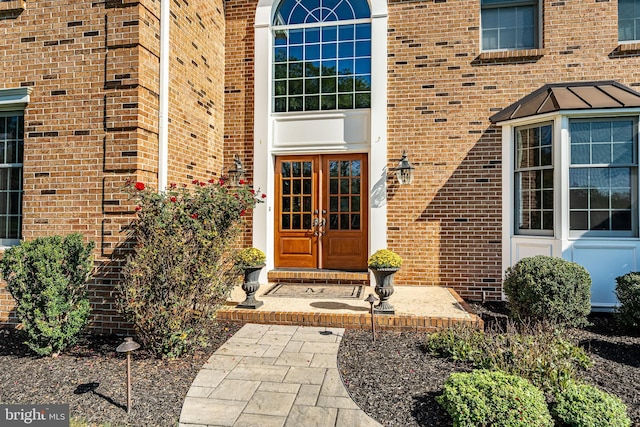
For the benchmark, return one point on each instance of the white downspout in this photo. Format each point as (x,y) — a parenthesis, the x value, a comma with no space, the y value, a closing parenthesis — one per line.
(163,110)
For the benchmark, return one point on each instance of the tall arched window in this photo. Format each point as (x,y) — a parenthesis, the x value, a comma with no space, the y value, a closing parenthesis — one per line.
(321,55)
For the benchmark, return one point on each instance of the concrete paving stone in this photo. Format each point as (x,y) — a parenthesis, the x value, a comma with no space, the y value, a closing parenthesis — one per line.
(324,361)
(294,359)
(252,330)
(279,387)
(244,340)
(355,417)
(199,410)
(270,403)
(332,385)
(274,350)
(319,347)
(336,402)
(308,395)
(293,347)
(272,338)
(218,361)
(251,360)
(209,377)
(304,375)
(315,336)
(311,416)
(242,349)
(230,389)
(258,372)
(251,420)
(283,329)
(195,391)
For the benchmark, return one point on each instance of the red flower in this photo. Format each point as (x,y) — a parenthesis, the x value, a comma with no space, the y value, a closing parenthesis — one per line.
(195,181)
(139,186)
(202,183)
(194,215)
(264,196)
(172,185)
(184,185)
(242,182)
(138,208)
(221,181)
(242,212)
(252,191)
(211,181)
(173,199)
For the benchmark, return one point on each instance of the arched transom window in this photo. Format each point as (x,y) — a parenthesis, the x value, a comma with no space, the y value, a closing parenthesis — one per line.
(321,55)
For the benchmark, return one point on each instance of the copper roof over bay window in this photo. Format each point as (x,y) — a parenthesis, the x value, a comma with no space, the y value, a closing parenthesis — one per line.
(570,96)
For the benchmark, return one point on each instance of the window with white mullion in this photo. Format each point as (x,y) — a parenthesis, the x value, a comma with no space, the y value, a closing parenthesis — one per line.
(11,154)
(602,177)
(628,20)
(509,25)
(534,182)
(321,56)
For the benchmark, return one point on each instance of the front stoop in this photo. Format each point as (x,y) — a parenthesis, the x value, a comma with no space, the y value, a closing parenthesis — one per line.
(412,313)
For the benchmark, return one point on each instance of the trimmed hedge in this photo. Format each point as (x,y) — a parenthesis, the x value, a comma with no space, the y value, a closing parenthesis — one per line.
(628,292)
(485,398)
(581,405)
(550,290)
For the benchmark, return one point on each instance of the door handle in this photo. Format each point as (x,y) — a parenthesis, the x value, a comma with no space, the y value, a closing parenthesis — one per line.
(315,225)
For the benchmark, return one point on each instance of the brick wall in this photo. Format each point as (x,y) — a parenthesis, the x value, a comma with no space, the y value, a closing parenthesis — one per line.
(92,122)
(441,92)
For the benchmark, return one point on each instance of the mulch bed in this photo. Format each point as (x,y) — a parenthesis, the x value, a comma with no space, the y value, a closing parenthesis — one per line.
(91,377)
(395,380)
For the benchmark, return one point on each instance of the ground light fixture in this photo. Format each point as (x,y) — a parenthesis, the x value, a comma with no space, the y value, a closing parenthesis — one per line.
(236,172)
(128,346)
(371,299)
(404,170)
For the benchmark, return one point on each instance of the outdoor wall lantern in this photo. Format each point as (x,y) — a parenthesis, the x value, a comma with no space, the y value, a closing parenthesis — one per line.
(404,170)
(237,171)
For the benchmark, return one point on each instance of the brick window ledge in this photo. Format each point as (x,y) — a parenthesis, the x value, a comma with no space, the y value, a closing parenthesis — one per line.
(512,54)
(629,47)
(12,5)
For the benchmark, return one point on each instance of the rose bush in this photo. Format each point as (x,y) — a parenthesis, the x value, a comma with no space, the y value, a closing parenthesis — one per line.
(182,268)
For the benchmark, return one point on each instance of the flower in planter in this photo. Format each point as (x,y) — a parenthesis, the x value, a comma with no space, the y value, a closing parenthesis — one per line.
(384,258)
(250,257)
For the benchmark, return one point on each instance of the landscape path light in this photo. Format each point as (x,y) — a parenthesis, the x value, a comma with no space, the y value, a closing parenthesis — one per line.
(371,299)
(127,347)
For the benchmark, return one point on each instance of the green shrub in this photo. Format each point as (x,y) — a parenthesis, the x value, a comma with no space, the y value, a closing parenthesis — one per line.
(540,355)
(628,292)
(485,398)
(549,289)
(183,268)
(47,278)
(581,405)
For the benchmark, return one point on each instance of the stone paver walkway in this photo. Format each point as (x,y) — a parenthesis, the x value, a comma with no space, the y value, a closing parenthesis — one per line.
(272,375)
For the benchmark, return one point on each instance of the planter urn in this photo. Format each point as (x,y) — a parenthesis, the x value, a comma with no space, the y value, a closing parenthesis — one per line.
(250,286)
(384,289)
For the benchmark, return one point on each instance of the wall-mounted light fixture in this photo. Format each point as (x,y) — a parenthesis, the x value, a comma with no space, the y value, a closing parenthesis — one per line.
(237,171)
(404,170)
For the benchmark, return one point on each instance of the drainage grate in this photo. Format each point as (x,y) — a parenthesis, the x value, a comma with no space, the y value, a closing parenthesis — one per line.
(314,291)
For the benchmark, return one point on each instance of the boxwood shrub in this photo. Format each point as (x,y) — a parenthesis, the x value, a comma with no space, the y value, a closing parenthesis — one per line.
(549,289)
(485,398)
(581,405)
(628,293)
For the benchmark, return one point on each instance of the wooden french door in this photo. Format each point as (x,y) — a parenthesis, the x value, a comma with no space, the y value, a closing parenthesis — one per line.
(321,212)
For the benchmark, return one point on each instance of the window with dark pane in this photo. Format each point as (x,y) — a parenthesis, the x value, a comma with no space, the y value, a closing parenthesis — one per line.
(11,154)
(344,195)
(602,176)
(318,66)
(534,179)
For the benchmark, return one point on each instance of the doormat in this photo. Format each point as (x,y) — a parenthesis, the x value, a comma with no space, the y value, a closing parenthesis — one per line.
(314,291)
